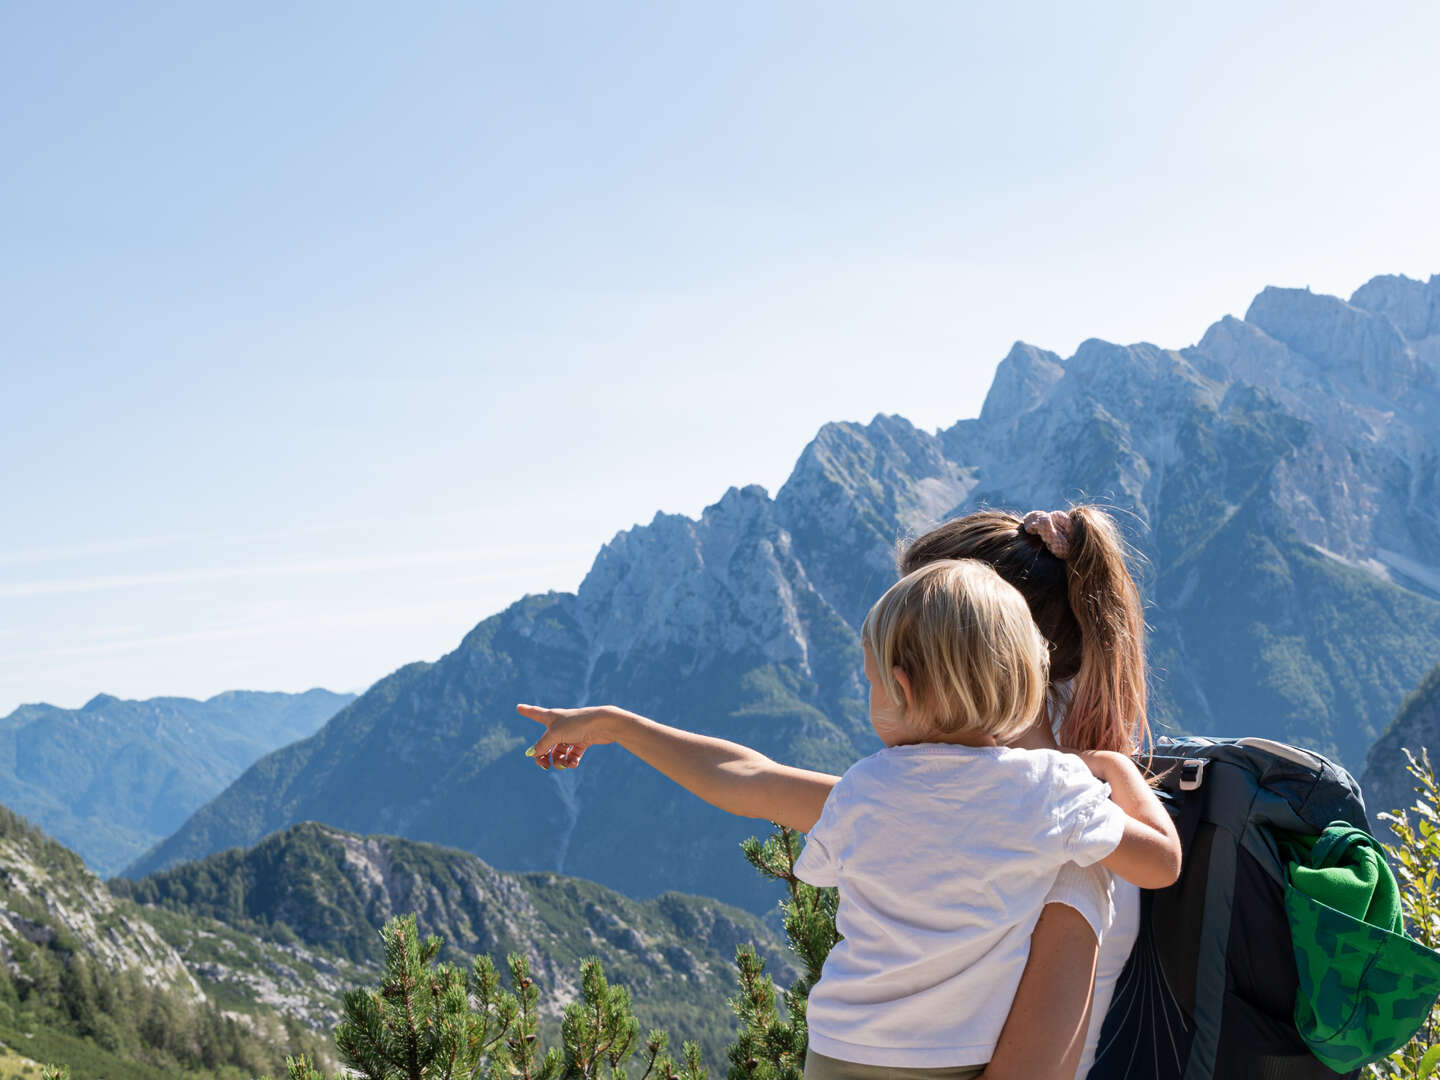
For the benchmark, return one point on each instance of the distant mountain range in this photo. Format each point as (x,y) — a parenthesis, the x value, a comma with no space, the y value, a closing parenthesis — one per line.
(1280,481)
(112,778)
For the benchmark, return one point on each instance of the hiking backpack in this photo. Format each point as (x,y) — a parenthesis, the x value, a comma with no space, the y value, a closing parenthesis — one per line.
(1210,988)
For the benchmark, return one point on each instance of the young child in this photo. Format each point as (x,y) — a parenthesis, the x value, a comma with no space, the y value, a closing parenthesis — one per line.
(943,845)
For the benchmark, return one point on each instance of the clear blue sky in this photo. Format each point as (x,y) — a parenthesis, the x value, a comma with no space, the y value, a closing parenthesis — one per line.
(329,329)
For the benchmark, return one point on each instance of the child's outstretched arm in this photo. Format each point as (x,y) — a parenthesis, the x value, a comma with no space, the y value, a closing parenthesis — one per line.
(1149,851)
(733,777)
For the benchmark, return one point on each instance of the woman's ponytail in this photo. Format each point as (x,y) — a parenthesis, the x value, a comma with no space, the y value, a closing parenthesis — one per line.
(1106,710)
(1070,567)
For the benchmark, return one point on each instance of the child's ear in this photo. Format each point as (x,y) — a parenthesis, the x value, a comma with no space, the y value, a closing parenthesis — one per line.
(903,681)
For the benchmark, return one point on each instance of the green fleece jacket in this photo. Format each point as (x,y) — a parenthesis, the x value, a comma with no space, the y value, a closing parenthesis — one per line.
(1365,988)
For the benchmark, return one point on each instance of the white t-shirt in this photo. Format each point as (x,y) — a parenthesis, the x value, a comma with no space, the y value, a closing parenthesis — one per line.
(1111,906)
(944,856)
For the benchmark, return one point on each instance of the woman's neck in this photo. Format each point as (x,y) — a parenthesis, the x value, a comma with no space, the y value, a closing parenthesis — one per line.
(1037,737)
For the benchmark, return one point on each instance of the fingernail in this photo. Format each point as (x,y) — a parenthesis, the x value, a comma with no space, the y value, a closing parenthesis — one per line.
(530,751)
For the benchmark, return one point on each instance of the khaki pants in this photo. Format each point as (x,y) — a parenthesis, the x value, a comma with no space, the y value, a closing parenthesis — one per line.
(820,1067)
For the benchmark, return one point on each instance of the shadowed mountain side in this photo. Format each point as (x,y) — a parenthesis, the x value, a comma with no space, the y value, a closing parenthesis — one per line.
(1283,506)
(1416,727)
(451,728)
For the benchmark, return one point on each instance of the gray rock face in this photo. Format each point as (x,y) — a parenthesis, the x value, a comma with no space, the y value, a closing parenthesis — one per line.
(1347,343)
(1280,482)
(1022,380)
(1412,307)
(725,584)
(854,494)
(45,888)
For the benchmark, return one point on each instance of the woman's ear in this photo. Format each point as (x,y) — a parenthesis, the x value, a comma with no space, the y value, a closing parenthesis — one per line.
(903,681)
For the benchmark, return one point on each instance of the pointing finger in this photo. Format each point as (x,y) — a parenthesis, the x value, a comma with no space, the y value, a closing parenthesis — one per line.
(536,713)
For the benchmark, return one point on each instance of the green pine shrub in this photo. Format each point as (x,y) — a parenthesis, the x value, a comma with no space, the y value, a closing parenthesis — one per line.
(437,1021)
(1415,855)
(770,1044)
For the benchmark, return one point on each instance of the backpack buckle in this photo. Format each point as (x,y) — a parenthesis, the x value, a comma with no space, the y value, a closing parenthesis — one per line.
(1192,774)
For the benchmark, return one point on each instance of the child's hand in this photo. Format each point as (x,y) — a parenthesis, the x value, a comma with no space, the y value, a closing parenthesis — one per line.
(569,732)
(1149,853)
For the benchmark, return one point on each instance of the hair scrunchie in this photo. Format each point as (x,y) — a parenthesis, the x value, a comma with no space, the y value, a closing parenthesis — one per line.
(1052,526)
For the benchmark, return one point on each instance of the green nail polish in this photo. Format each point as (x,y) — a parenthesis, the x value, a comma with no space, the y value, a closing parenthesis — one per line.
(530,751)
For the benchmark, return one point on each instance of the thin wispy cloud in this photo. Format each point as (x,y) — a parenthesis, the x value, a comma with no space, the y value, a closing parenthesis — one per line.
(127,545)
(287,623)
(61,552)
(306,568)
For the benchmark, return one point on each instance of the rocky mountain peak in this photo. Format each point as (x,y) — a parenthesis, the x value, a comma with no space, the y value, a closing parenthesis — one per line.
(1021,382)
(724,583)
(1127,381)
(1098,358)
(1346,342)
(1234,350)
(856,491)
(1413,307)
(1283,503)
(887,462)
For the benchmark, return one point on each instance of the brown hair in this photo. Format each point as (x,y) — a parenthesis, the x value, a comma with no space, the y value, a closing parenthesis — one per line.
(965,639)
(1086,605)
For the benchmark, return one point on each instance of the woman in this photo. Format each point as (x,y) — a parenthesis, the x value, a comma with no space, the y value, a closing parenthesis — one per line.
(1070,567)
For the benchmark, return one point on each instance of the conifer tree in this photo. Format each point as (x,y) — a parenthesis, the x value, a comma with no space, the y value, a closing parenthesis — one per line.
(1415,856)
(769,1045)
(429,1021)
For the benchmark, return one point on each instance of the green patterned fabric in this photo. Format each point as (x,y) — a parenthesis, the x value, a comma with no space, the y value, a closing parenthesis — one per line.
(1365,988)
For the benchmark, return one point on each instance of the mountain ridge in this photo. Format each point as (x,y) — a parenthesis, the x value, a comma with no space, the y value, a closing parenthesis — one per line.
(1270,488)
(332,890)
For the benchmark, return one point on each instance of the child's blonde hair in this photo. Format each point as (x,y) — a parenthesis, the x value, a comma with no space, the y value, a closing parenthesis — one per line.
(965,640)
(1085,603)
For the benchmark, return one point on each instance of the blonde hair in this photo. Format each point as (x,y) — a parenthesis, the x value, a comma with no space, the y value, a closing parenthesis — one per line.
(1085,604)
(964,638)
